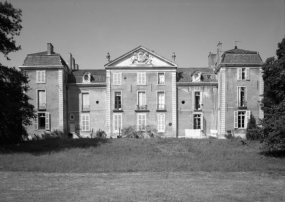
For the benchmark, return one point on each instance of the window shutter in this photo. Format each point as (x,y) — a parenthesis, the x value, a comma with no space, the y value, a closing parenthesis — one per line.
(139,78)
(87,123)
(238,96)
(239,71)
(119,121)
(235,119)
(114,78)
(36,122)
(37,99)
(202,121)
(83,122)
(247,118)
(201,100)
(247,74)
(143,78)
(47,121)
(138,122)
(38,76)
(43,76)
(119,78)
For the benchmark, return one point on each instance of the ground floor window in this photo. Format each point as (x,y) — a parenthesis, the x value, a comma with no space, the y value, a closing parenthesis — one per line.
(141,122)
(198,121)
(241,119)
(42,121)
(85,122)
(117,119)
(160,122)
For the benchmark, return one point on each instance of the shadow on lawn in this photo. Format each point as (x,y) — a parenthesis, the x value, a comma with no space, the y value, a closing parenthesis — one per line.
(49,146)
(275,153)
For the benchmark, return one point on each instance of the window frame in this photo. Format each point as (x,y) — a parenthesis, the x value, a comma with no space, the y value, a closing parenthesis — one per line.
(159,73)
(239,96)
(82,101)
(145,121)
(141,83)
(246,118)
(118,81)
(115,100)
(37,99)
(201,100)
(246,74)
(161,128)
(114,120)
(201,121)
(85,128)
(157,100)
(39,76)
(47,122)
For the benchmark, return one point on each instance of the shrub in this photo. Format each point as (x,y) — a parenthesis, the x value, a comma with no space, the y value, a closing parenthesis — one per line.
(55,134)
(100,134)
(253,132)
(132,132)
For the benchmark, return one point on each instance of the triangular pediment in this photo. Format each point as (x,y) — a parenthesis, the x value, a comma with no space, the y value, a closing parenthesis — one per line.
(141,57)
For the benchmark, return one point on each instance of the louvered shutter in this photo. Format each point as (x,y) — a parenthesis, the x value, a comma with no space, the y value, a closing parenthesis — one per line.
(238,96)
(202,121)
(43,76)
(247,74)
(139,78)
(247,117)
(87,123)
(36,122)
(47,121)
(239,72)
(143,78)
(119,78)
(114,78)
(235,119)
(201,99)
(83,122)
(38,76)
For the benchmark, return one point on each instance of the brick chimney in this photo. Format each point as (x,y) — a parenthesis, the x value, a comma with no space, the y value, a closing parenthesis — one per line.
(49,49)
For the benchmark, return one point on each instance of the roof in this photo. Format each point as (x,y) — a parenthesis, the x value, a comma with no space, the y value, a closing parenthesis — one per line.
(97,75)
(241,56)
(42,58)
(185,74)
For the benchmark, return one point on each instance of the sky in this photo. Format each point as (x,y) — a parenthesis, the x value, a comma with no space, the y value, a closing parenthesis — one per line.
(89,29)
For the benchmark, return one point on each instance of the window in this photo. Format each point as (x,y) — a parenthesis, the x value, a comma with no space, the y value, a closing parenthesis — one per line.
(118,100)
(241,119)
(197,100)
(161,80)
(41,76)
(41,99)
(85,102)
(117,78)
(241,96)
(42,121)
(86,78)
(243,74)
(141,78)
(160,101)
(160,122)
(141,122)
(198,123)
(142,100)
(117,122)
(85,122)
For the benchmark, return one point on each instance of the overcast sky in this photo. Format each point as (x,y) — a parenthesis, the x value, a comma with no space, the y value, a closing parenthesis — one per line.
(191,28)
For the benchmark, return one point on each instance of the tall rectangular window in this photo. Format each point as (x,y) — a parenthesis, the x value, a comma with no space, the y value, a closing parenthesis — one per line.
(141,122)
(141,78)
(197,100)
(41,76)
(243,73)
(241,119)
(42,121)
(41,100)
(197,119)
(241,96)
(117,118)
(85,102)
(161,79)
(85,122)
(142,100)
(118,100)
(160,122)
(117,78)
(160,100)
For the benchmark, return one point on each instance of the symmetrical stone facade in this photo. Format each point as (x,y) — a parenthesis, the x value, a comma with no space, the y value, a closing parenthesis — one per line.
(145,90)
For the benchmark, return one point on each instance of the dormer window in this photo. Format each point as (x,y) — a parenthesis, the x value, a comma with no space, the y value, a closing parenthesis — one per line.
(196,77)
(86,78)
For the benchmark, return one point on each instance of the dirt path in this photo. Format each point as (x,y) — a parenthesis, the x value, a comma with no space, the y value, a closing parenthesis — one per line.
(182,186)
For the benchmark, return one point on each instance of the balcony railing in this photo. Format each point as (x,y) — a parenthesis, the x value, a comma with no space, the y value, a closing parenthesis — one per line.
(141,107)
(242,105)
(161,107)
(85,108)
(42,106)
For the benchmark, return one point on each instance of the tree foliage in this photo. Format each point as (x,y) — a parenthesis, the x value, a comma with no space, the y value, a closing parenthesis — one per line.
(10,26)
(274,100)
(15,110)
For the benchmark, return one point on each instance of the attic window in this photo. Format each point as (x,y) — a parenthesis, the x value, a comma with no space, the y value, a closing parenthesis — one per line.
(196,76)
(86,78)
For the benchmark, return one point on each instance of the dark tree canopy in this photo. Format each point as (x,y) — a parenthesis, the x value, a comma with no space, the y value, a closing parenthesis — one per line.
(10,19)
(274,99)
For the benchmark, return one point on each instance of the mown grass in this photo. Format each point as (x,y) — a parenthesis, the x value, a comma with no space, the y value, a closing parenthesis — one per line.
(137,155)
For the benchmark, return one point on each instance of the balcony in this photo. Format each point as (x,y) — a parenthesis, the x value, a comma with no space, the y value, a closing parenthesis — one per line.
(142,108)
(118,108)
(42,106)
(161,108)
(198,107)
(85,108)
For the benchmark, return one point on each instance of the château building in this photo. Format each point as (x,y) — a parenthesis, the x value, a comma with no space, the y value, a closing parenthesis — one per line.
(143,89)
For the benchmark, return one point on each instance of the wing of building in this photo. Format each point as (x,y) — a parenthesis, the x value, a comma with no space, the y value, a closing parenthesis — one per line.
(145,90)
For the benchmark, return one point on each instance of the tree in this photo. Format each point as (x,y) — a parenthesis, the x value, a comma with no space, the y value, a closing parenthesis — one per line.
(274,100)
(15,110)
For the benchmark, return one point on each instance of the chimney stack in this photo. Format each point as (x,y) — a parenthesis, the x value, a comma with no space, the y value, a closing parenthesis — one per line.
(77,67)
(73,64)
(70,62)
(49,49)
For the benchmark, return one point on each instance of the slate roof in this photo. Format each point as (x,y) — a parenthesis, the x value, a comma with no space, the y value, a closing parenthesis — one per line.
(241,56)
(42,58)
(97,75)
(185,74)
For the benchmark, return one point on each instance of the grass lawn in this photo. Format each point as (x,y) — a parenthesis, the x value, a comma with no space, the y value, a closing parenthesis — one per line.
(137,155)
